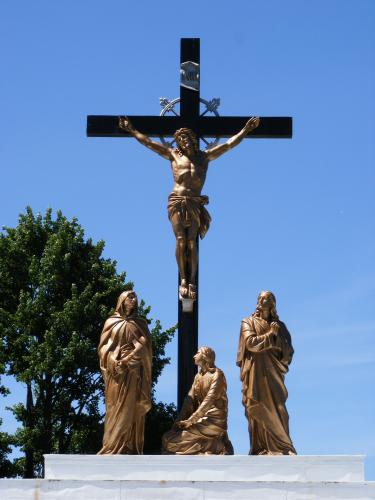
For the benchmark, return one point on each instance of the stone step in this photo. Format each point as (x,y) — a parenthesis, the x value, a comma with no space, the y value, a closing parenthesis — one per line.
(45,489)
(344,468)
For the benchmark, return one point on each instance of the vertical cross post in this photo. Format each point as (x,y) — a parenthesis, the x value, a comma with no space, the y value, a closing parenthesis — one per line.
(188,321)
(187,344)
(189,98)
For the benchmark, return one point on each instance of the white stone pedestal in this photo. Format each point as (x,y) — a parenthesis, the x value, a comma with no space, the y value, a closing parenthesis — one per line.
(126,477)
(238,468)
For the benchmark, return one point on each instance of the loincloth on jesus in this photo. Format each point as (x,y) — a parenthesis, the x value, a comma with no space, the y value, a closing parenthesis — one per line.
(190,208)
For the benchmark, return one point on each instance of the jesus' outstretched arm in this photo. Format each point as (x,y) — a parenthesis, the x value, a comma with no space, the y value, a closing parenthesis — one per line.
(217,151)
(125,124)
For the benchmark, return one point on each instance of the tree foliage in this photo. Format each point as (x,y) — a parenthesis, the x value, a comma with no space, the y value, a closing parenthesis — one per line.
(56,290)
(6,466)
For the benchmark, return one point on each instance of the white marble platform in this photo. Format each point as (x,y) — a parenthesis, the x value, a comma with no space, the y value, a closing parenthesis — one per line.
(47,489)
(165,477)
(205,468)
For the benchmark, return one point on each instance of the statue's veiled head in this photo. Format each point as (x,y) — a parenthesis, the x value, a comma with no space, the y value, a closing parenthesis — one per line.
(267,300)
(205,358)
(187,142)
(127,304)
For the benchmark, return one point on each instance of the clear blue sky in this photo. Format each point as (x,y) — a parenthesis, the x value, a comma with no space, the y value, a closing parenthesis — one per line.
(293,216)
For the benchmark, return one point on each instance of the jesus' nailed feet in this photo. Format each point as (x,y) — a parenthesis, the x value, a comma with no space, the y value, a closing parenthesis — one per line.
(187,290)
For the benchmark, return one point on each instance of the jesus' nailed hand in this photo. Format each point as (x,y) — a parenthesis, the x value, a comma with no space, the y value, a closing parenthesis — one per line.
(186,210)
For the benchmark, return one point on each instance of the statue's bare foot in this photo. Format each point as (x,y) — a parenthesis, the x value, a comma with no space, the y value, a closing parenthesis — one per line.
(183,289)
(192,292)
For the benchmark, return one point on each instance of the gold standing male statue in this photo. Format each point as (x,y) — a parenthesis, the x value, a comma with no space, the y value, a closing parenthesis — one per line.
(125,355)
(186,209)
(201,426)
(264,354)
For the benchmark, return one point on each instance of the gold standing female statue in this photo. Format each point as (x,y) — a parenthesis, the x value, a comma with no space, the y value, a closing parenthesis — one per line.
(264,354)
(125,355)
(201,427)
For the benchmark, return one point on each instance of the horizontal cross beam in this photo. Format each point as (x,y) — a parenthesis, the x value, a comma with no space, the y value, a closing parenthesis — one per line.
(207,126)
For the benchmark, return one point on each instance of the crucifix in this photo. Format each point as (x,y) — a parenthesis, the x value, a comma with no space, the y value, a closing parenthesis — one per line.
(189,165)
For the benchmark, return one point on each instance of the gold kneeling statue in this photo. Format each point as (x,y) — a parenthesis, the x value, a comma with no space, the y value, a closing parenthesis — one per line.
(201,427)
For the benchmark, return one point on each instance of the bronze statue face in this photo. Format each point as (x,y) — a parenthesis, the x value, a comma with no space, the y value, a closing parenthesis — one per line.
(185,144)
(186,141)
(198,358)
(127,303)
(265,300)
(204,356)
(130,303)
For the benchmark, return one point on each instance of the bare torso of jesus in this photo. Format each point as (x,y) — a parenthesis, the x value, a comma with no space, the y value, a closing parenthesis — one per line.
(189,174)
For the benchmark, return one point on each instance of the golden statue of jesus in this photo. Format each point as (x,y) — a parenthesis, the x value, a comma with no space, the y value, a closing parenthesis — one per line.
(186,209)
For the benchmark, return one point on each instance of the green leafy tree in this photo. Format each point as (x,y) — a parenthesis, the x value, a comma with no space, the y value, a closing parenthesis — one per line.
(56,290)
(6,466)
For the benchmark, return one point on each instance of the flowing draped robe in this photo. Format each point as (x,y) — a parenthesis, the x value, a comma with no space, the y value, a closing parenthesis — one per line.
(127,391)
(264,359)
(207,403)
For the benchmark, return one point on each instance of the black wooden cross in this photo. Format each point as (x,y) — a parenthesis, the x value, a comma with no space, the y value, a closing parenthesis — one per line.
(203,126)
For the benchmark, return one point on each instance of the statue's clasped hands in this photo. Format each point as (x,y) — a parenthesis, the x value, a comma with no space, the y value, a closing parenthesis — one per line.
(185,424)
(125,358)
(182,424)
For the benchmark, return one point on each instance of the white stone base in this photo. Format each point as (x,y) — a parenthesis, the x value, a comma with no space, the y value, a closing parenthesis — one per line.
(205,467)
(123,477)
(46,489)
